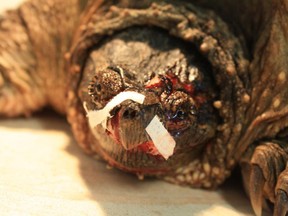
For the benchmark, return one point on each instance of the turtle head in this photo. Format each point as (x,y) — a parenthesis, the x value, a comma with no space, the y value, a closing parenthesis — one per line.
(165,89)
(148,119)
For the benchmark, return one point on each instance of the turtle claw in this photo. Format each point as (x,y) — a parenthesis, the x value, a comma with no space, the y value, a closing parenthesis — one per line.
(267,180)
(256,185)
(281,200)
(281,204)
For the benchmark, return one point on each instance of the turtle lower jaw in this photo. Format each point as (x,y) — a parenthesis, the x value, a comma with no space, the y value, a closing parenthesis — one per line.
(140,160)
(132,166)
(144,158)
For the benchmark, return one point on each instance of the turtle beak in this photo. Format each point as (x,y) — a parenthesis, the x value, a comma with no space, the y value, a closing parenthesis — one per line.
(127,126)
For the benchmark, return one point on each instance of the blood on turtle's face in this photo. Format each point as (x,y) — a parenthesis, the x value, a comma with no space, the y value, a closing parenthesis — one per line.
(154,120)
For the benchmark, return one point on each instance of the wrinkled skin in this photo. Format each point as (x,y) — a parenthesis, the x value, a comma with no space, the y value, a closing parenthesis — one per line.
(215,73)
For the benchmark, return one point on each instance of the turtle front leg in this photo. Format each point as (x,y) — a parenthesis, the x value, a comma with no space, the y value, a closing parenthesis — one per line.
(20,88)
(265,176)
(34,40)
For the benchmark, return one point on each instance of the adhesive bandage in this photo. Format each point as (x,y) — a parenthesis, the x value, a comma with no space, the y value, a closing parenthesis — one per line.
(161,138)
(97,117)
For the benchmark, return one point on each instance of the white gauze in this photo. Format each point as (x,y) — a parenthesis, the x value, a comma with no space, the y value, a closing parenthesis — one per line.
(97,117)
(161,138)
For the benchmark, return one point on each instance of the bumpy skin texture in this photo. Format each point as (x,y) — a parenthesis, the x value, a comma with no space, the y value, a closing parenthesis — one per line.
(33,46)
(233,111)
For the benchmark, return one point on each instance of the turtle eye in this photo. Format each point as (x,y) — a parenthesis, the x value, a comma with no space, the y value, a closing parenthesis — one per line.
(180,114)
(104,85)
(98,87)
(94,88)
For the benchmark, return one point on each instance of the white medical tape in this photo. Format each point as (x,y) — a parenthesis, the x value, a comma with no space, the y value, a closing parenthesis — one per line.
(161,138)
(97,117)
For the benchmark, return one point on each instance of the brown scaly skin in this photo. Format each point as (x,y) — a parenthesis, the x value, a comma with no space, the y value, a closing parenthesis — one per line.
(241,60)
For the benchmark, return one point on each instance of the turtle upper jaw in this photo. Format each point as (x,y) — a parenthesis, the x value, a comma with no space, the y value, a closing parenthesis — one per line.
(129,132)
(128,123)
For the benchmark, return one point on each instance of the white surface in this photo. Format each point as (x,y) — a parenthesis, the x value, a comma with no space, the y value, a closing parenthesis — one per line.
(44,172)
(9,4)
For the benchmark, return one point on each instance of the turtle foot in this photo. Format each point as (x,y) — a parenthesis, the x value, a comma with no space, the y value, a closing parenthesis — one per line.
(266,178)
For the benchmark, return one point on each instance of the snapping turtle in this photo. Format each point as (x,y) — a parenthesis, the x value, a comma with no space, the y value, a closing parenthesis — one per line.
(180,90)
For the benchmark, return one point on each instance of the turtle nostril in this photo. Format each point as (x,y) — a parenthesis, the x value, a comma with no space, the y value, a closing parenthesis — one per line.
(130,113)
